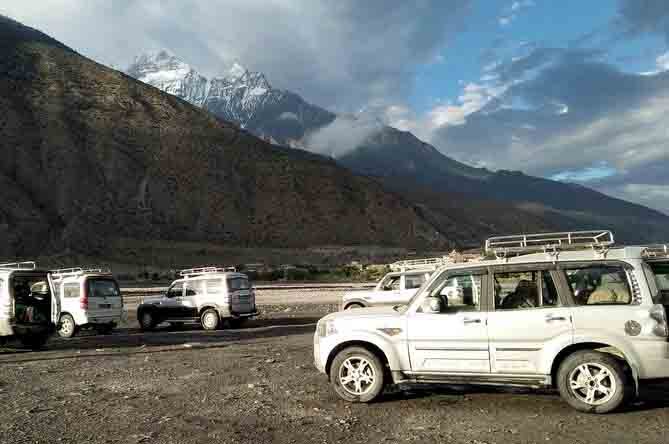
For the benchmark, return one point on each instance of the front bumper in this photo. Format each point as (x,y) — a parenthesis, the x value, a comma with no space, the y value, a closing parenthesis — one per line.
(319,363)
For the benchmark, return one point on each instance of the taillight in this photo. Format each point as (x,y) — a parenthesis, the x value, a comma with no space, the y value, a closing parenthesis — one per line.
(659,315)
(83,300)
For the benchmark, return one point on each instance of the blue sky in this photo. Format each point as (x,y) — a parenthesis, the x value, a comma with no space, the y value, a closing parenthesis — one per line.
(570,90)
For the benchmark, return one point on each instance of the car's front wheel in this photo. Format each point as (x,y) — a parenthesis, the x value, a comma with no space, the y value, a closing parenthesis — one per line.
(593,382)
(357,375)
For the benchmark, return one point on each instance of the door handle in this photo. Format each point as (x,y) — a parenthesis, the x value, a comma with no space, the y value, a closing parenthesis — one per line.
(551,318)
(471,321)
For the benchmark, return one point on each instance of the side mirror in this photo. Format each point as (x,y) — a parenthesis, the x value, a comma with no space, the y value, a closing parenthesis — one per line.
(432,304)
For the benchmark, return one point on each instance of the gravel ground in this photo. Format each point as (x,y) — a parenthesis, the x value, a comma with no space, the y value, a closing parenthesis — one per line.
(258,385)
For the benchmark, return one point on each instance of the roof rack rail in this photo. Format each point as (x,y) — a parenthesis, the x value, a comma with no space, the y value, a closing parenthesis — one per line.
(502,246)
(76,271)
(29,265)
(189,272)
(654,251)
(420,264)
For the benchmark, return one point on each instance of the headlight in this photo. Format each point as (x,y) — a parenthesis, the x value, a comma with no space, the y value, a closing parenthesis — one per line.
(326,328)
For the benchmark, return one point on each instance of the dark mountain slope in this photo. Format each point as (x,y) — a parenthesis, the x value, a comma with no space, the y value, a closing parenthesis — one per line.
(403,162)
(90,154)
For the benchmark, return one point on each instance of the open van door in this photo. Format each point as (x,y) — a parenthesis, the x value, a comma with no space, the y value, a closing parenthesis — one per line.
(55,301)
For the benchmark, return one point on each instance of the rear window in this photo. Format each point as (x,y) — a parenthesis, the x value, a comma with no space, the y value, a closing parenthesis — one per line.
(103,288)
(599,285)
(238,283)
(657,274)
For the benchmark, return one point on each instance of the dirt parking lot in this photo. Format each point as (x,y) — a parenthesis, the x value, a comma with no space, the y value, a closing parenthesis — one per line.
(258,385)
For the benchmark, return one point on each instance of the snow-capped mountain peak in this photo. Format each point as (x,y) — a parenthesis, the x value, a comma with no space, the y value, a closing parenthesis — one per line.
(169,73)
(236,71)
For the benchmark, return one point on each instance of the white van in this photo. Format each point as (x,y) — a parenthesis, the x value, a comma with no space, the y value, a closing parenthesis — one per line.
(28,310)
(89,298)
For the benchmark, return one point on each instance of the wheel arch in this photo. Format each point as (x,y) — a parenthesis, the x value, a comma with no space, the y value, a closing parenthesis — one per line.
(373,348)
(600,346)
(350,302)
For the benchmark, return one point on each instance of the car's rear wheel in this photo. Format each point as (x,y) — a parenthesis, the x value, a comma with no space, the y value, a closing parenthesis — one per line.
(357,375)
(593,382)
(210,319)
(146,320)
(353,306)
(67,327)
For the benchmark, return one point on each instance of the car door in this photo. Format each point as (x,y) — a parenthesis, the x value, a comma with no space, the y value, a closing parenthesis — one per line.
(389,291)
(453,337)
(529,321)
(170,305)
(189,303)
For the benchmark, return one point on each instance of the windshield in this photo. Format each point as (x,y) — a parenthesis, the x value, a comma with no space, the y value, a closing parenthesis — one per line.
(657,275)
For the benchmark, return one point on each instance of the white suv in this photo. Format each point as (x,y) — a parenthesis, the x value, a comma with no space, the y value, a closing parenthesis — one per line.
(89,298)
(28,310)
(394,288)
(565,310)
(206,295)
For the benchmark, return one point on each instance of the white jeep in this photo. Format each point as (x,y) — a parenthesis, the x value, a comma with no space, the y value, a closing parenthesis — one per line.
(565,310)
(205,295)
(396,287)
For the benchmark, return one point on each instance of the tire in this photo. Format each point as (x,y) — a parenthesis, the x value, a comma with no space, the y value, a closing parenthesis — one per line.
(582,388)
(354,305)
(68,327)
(210,319)
(365,386)
(34,342)
(147,321)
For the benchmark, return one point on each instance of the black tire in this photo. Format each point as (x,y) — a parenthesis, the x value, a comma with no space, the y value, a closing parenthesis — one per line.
(34,342)
(67,327)
(616,378)
(354,305)
(147,320)
(338,370)
(210,319)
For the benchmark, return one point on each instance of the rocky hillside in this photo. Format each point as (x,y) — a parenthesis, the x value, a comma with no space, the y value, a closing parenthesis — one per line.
(91,155)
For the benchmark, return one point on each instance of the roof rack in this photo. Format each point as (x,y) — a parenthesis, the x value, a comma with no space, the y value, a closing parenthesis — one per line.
(190,272)
(420,264)
(30,265)
(76,271)
(654,251)
(503,246)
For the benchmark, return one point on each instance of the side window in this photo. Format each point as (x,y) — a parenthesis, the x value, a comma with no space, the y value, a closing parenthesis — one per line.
(599,285)
(194,288)
(176,291)
(460,292)
(522,290)
(72,290)
(214,287)
(412,281)
(391,283)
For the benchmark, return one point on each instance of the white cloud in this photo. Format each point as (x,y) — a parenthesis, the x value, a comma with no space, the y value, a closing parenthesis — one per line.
(662,61)
(340,55)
